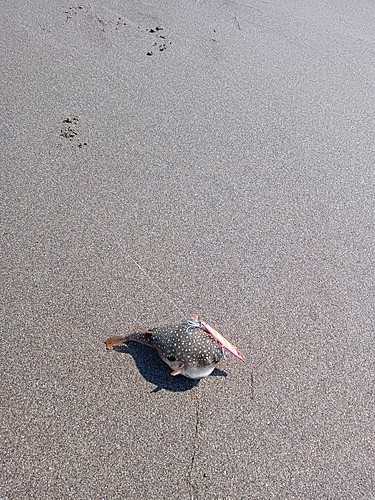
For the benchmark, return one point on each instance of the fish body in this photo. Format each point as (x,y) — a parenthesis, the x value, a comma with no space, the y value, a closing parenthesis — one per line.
(187,348)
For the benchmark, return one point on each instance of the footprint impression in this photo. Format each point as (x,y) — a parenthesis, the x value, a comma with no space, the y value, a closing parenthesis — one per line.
(70,131)
(160,44)
(106,25)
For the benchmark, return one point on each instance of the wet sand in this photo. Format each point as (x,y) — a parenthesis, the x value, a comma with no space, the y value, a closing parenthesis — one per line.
(166,159)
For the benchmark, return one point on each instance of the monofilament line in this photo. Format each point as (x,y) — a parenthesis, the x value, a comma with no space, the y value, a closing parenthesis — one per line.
(60,183)
(166,295)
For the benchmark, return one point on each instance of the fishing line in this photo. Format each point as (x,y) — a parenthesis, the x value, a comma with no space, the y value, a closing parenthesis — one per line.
(166,295)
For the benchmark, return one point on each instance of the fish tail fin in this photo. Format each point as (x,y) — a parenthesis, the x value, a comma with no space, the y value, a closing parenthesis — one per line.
(115,342)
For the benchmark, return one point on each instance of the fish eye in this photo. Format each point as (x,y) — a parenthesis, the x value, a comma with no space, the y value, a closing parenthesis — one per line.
(171,358)
(190,330)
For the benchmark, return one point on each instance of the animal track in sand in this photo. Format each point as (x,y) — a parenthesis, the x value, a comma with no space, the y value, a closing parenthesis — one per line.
(70,131)
(106,25)
(70,127)
(159,46)
(103,24)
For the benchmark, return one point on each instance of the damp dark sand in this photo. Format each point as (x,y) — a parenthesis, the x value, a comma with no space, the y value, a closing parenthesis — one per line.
(229,150)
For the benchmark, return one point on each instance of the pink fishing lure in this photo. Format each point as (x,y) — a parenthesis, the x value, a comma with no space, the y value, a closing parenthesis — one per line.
(222,341)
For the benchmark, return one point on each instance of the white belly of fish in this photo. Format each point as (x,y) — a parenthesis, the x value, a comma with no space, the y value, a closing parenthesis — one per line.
(191,371)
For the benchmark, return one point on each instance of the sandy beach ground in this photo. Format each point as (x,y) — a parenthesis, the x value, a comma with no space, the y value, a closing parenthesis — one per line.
(227,149)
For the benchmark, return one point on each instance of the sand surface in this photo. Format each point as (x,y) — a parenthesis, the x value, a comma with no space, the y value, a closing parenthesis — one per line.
(228,149)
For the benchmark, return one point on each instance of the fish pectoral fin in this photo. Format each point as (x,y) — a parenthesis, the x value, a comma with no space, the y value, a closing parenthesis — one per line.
(140,330)
(115,342)
(179,370)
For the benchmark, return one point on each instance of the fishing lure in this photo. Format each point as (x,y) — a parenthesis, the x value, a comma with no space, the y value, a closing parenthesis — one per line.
(217,336)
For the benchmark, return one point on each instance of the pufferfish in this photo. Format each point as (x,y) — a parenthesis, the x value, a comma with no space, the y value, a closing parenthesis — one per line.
(191,348)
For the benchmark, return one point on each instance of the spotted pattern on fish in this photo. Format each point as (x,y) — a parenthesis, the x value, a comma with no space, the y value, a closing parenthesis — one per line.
(188,349)
(184,343)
